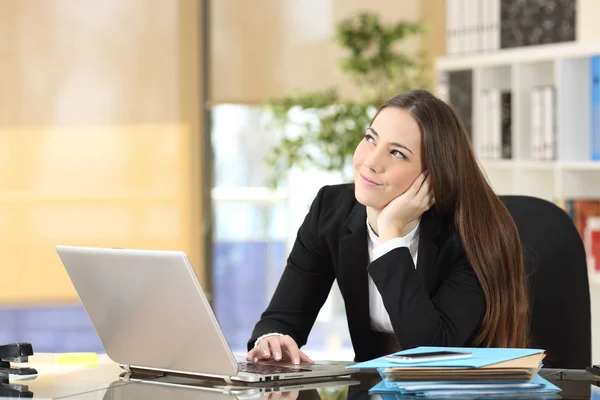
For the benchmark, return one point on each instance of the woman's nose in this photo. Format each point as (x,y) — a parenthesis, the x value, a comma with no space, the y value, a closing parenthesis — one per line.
(374,162)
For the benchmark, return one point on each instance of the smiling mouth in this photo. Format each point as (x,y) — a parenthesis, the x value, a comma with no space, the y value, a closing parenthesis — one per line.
(370,180)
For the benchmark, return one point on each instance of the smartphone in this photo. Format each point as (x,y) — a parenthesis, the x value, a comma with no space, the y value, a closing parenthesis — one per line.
(428,356)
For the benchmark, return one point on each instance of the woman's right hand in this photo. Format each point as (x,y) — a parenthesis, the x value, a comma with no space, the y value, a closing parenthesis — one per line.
(278,348)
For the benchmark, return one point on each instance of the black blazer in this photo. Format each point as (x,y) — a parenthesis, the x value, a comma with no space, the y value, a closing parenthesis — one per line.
(440,303)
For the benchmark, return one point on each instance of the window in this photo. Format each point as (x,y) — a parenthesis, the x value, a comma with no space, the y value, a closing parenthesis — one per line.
(255,229)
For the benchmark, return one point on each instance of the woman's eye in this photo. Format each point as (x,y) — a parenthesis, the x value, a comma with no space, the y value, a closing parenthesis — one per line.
(398,154)
(369,138)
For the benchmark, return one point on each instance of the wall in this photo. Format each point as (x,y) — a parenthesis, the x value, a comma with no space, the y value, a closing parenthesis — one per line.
(433,14)
(264,48)
(99,135)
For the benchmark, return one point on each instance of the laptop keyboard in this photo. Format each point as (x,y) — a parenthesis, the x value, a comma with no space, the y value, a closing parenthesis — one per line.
(266,369)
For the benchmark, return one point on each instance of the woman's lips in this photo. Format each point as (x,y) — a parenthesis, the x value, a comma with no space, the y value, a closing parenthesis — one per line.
(368,182)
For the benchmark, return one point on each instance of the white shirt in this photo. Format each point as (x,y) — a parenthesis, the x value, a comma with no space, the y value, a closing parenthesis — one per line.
(380,320)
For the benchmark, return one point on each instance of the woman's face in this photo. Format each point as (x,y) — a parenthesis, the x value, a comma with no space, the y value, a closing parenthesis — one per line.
(388,159)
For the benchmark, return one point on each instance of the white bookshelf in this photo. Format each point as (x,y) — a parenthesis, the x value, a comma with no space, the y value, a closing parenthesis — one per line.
(548,180)
(565,66)
(521,55)
(572,174)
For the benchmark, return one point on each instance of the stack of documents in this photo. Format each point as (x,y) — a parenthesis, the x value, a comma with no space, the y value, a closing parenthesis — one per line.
(490,371)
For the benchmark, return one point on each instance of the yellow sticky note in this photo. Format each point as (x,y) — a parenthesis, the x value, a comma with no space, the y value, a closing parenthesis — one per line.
(76,358)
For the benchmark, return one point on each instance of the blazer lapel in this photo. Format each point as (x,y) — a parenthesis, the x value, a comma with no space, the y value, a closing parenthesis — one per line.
(428,232)
(353,278)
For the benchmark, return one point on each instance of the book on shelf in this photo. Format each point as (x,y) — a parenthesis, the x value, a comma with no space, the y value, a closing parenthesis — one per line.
(542,101)
(591,240)
(549,123)
(586,218)
(474,26)
(595,108)
(530,23)
(456,89)
(496,116)
(506,124)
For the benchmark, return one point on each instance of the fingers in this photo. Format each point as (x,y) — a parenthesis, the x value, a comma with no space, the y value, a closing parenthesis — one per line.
(424,193)
(416,186)
(251,354)
(254,353)
(276,395)
(425,185)
(292,348)
(270,396)
(262,351)
(275,347)
(424,196)
(275,344)
(264,348)
(305,358)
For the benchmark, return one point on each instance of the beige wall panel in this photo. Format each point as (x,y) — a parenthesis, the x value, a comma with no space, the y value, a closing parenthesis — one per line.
(265,48)
(90,62)
(111,186)
(433,14)
(99,134)
(191,112)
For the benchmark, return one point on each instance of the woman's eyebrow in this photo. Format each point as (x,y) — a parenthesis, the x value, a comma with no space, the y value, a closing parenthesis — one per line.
(392,143)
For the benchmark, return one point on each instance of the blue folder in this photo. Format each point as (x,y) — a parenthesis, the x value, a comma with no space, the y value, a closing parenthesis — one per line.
(481,358)
(537,386)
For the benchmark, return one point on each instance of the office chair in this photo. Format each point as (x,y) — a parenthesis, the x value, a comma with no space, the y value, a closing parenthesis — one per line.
(555,261)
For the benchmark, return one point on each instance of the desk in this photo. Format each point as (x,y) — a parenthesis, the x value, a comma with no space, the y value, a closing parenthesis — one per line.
(107,381)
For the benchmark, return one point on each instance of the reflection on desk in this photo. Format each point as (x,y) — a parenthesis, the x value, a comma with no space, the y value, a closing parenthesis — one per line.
(108,381)
(576,384)
(335,384)
(64,384)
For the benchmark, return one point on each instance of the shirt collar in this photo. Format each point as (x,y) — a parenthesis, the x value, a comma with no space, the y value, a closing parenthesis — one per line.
(408,237)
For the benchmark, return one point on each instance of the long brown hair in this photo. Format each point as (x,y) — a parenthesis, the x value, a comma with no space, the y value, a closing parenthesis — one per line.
(487,230)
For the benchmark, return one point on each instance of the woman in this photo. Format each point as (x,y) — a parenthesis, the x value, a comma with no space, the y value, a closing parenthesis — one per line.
(423,250)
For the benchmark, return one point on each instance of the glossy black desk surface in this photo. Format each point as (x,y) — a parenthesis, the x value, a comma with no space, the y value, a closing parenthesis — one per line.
(108,382)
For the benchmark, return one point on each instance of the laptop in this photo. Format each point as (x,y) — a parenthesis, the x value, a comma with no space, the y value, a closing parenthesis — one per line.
(150,313)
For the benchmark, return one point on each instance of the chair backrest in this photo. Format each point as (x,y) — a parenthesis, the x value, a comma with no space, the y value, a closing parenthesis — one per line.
(558,281)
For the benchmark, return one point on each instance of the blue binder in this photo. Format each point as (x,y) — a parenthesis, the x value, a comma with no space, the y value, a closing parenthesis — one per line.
(482,356)
(595,109)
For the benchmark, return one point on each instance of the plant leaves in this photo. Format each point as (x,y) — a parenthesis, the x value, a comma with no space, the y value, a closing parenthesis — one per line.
(331,127)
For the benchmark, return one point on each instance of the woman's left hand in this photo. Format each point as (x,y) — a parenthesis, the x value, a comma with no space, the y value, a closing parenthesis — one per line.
(404,209)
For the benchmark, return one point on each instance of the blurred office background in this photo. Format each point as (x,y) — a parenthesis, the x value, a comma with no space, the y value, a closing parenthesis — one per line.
(139,124)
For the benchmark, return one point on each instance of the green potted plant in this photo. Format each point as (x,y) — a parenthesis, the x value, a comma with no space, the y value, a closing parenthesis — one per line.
(379,70)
